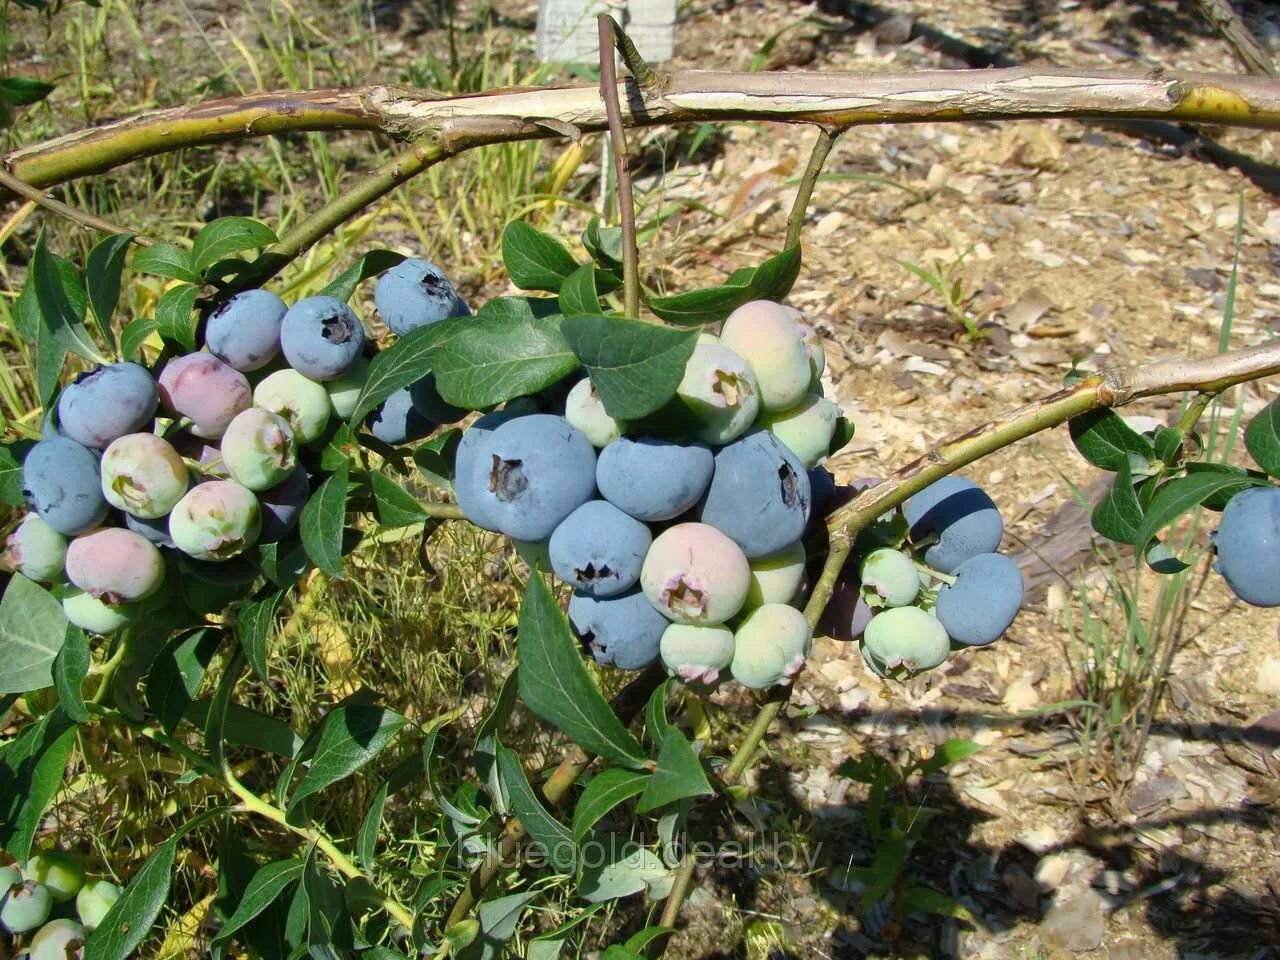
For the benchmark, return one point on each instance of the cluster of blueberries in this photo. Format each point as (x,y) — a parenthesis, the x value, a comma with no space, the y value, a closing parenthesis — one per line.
(48,900)
(691,548)
(109,485)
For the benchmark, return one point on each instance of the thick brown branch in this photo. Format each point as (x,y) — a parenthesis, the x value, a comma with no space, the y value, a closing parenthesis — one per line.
(836,99)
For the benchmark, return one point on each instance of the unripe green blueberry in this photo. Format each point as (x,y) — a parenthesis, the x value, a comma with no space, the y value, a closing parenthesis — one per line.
(94,900)
(216,520)
(61,872)
(345,391)
(806,428)
(904,641)
(304,403)
(89,613)
(766,335)
(770,646)
(720,392)
(115,565)
(696,654)
(58,940)
(693,573)
(36,550)
(24,906)
(892,575)
(257,449)
(776,578)
(584,409)
(143,475)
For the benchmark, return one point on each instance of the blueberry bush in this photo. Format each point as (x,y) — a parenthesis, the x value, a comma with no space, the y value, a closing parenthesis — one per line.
(657,462)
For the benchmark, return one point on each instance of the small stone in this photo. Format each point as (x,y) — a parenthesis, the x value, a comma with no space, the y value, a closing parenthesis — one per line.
(1052,870)
(1076,924)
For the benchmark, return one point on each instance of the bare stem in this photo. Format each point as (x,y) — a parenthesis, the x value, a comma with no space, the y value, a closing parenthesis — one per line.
(607,30)
(795,222)
(65,210)
(1252,54)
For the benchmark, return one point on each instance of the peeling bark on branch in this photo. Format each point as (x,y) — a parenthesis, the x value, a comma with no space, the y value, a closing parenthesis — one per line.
(454,124)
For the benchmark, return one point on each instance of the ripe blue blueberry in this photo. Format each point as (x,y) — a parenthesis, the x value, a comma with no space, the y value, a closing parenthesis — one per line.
(282,505)
(696,654)
(60,480)
(415,293)
(653,480)
(107,403)
(525,477)
(36,550)
(1248,545)
(903,641)
(397,420)
(245,331)
(471,466)
(321,337)
(983,601)
(599,550)
(759,494)
(959,516)
(621,631)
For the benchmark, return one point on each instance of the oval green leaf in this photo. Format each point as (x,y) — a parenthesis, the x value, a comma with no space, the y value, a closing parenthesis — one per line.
(634,366)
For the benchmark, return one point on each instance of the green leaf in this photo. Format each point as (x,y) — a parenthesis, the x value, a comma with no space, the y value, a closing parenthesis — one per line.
(32,630)
(947,753)
(774,278)
(498,921)
(70,667)
(627,870)
(175,315)
(1178,496)
(557,842)
(23,91)
(129,920)
(370,265)
(103,270)
(1105,440)
(1262,438)
(166,260)
(249,728)
(322,521)
(216,717)
(267,884)
(1118,515)
(641,939)
(61,299)
(603,243)
(890,856)
(11,473)
(226,236)
(504,351)
(555,685)
(1162,560)
(535,260)
(841,436)
(694,308)
(679,774)
(635,367)
(254,625)
(349,738)
(655,712)
(134,335)
(395,506)
(435,458)
(578,294)
(931,901)
(405,362)
(367,838)
(176,675)
(31,769)
(606,790)
(1168,443)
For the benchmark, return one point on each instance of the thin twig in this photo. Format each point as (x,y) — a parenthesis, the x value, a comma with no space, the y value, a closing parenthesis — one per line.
(1248,50)
(795,222)
(85,219)
(607,30)
(646,77)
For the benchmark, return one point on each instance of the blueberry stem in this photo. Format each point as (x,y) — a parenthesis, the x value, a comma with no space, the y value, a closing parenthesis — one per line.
(609,31)
(936,574)
(822,147)
(65,210)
